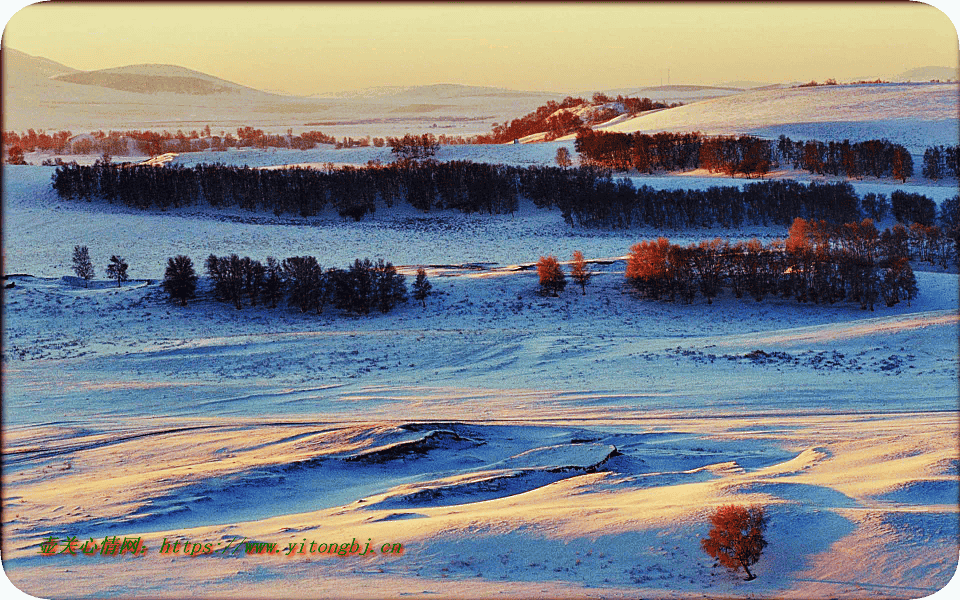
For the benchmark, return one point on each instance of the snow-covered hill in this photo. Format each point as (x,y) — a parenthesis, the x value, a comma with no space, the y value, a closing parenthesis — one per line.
(916,115)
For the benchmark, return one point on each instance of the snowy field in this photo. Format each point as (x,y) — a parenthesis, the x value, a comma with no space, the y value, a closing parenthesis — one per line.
(516,445)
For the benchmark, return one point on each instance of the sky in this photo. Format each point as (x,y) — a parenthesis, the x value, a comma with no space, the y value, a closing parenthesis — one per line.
(307,48)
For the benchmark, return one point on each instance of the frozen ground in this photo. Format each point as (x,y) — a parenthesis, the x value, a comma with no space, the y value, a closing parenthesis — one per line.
(515,444)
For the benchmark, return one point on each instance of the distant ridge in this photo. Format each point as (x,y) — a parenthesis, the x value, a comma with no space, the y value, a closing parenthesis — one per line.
(921,74)
(17,61)
(436,90)
(156,78)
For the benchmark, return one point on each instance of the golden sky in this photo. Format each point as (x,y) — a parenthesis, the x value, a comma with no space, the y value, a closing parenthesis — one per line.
(304,48)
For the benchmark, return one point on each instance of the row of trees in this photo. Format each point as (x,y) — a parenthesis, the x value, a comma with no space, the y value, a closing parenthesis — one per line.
(746,155)
(119,143)
(876,158)
(301,280)
(585,195)
(352,191)
(362,286)
(818,262)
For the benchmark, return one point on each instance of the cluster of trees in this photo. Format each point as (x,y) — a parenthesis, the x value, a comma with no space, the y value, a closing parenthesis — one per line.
(645,153)
(414,147)
(818,262)
(941,161)
(358,289)
(746,155)
(813,83)
(301,280)
(557,120)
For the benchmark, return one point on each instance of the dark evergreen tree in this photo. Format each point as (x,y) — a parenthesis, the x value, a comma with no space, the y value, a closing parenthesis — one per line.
(303,275)
(117,269)
(273,282)
(180,280)
(389,286)
(421,287)
(82,264)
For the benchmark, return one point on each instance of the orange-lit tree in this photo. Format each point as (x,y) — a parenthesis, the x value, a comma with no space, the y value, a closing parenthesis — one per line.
(736,539)
(552,278)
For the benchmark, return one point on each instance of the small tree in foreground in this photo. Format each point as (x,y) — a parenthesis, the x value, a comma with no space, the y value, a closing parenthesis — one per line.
(579,272)
(180,279)
(552,279)
(117,269)
(82,265)
(736,539)
(563,157)
(421,287)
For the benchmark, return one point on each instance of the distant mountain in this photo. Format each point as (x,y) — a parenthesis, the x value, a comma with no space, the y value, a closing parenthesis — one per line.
(928,73)
(744,84)
(439,91)
(42,94)
(154,78)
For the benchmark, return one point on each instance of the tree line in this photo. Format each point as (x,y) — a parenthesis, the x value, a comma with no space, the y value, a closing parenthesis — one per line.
(819,262)
(586,196)
(749,155)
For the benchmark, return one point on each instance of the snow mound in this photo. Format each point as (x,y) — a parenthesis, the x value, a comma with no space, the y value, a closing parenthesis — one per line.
(562,457)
